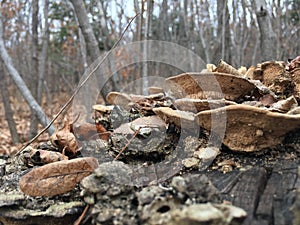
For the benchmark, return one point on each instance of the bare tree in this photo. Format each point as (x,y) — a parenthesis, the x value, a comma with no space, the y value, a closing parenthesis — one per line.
(223,32)
(267,35)
(43,58)
(35,66)
(34,106)
(147,35)
(87,30)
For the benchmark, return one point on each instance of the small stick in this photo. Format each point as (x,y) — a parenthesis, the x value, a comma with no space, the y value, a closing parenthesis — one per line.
(78,221)
(67,104)
(128,143)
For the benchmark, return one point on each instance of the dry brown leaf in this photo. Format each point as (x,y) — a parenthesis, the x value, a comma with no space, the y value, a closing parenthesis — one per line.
(65,139)
(88,131)
(58,177)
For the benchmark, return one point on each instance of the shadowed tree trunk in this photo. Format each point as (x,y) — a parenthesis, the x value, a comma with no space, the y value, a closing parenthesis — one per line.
(34,106)
(9,115)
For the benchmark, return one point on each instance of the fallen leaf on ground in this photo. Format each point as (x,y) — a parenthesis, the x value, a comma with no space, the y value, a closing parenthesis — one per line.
(58,177)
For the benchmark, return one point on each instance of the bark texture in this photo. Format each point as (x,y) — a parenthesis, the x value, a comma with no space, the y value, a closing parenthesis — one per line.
(35,67)
(267,35)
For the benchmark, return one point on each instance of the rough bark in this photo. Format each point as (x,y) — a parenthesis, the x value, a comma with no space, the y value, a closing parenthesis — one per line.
(9,114)
(267,36)
(35,107)
(35,67)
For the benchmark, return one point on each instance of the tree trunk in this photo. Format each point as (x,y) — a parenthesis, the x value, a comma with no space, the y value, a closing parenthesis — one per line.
(267,36)
(87,30)
(147,35)
(35,67)
(9,114)
(43,59)
(223,32)
(35,107)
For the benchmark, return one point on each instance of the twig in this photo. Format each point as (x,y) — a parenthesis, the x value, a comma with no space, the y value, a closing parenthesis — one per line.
(128,143)
(78,221)
(67,104)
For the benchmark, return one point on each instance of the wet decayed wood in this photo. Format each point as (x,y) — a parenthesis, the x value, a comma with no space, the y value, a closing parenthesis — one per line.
(267,193)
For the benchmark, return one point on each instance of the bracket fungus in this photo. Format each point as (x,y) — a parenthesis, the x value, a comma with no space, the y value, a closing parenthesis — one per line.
(210,86)
(176,117)
(251,128)
(198,105)
(105,109)
(118,98)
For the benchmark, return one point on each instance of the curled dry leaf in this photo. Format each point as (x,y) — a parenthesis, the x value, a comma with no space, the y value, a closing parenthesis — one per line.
(58,177)
(65,139)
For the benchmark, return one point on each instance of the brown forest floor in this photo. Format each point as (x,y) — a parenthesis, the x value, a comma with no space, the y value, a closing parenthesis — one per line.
(22,119)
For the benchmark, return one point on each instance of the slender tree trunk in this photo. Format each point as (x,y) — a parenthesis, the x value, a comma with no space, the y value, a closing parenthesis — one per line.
(205,45)
(35,107)
(223,50)
(147,35)
(90,40)
(43,59)
(139,20)
(9,114)
(35,67)
(267,36)
(87,30)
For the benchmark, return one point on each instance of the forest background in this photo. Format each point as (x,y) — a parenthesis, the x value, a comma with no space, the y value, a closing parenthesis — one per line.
(51,43)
